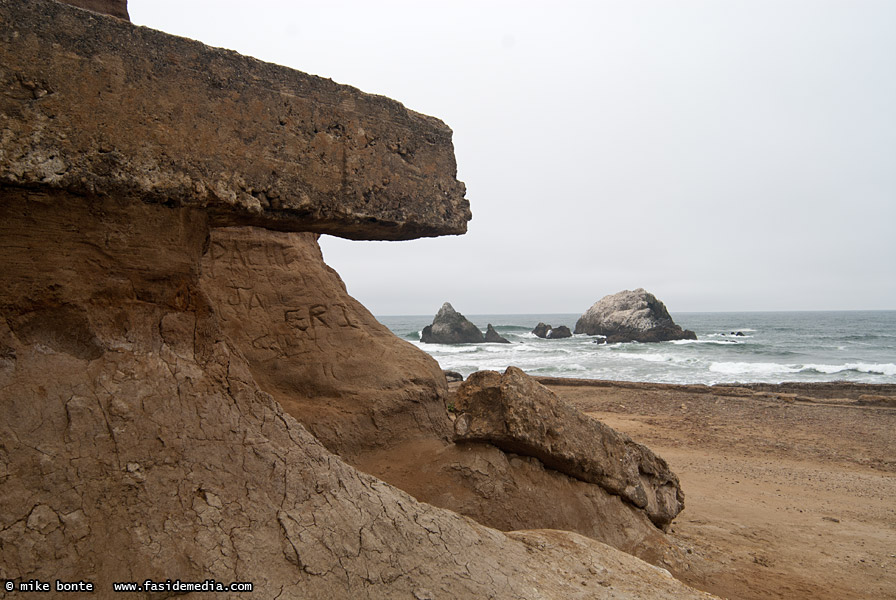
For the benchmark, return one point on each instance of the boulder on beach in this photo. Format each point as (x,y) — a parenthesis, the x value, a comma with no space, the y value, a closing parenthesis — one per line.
(517,414)
(494,337)
(451,327)
(631,316)
(545,331)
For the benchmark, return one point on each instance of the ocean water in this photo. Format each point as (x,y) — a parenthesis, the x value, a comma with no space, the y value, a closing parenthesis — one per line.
(858,346)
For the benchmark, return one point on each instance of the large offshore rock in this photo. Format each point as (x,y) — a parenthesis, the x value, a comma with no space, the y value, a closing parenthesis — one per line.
(451,327)
(95,105)
(517,414)
(631,316)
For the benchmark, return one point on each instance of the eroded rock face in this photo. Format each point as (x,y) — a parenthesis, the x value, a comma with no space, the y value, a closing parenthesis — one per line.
(186,125)
(519,415)
(138,439)
(136,443)
(631,316)
(316,349)
(451,327)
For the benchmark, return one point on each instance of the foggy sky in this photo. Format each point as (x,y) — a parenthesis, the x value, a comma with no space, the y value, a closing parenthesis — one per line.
(736,155)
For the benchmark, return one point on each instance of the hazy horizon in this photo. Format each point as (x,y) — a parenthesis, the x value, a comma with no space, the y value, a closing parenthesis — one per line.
(727,157)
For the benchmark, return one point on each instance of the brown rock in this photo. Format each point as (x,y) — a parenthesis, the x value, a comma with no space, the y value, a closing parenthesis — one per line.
(136,444)
(187,125)
(519,415)
(116,8)
(317,350)
(137,438)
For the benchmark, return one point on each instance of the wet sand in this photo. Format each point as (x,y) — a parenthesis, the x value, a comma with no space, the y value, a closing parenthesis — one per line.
(790,490)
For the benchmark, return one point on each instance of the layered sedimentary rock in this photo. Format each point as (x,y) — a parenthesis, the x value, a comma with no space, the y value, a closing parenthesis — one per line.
(517,414)
(172,117)
(451,327)
(631,316)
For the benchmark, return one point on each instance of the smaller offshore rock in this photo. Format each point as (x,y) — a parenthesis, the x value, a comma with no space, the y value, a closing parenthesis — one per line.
(545,331)
(451,327)
(541,330)
(494,337)
(559,332)
(631,316)
(519,415)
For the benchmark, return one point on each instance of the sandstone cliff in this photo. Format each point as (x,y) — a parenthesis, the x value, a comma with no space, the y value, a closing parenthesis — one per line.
(157,348)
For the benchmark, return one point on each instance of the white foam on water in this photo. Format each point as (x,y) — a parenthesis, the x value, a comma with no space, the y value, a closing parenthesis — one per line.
(879,369)
(757,368)
(648,357)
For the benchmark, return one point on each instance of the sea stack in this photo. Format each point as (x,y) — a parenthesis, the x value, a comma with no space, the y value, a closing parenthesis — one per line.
(493,337)
(631,316)
(451,327)
(545,331)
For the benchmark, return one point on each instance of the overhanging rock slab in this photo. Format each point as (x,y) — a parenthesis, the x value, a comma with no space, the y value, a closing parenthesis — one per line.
(95,105)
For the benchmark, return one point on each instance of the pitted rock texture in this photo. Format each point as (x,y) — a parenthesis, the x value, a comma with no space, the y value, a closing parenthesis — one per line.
(136,443)
(95,105)
(451,327)
(116,8)
(318,351)
(517,414)
(630,316)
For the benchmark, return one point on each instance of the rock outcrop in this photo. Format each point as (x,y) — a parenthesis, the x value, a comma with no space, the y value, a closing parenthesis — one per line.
(451,327)
(494,337)
(545,331)
(137,445)
(631,316)
(517,414)
(157,347)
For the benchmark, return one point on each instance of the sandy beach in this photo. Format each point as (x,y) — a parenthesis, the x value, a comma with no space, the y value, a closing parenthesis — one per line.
(789,488)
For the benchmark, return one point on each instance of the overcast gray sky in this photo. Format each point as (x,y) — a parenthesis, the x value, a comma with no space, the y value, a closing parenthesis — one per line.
(724,155)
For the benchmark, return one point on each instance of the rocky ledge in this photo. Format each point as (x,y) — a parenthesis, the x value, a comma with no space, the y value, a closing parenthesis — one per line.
(631,316)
